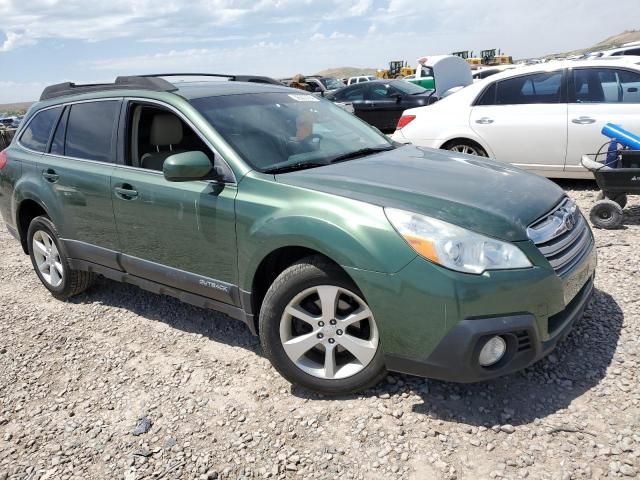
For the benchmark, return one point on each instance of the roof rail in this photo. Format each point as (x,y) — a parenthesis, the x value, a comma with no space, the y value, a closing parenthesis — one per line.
(141,83)
(231,78)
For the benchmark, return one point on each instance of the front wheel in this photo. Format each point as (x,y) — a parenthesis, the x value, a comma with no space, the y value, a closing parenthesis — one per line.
(319,332)
(50,262)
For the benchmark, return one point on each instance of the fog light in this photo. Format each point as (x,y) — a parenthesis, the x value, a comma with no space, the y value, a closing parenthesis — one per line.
(492,351)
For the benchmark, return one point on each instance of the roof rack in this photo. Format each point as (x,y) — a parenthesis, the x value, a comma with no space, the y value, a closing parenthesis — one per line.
(129,82)
(143,82)
(231,78)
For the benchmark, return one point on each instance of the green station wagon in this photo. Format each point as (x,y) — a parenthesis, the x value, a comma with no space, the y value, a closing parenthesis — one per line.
(349,255)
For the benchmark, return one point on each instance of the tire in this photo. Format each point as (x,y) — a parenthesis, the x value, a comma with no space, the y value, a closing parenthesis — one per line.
(606,214)
(50,262)
(465,146)
(323,363)
(620,198)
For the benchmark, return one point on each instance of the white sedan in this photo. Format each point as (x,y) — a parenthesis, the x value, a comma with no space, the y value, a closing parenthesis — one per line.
(542,118)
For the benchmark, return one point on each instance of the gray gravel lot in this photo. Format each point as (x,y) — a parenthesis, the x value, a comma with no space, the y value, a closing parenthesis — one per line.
(123,384)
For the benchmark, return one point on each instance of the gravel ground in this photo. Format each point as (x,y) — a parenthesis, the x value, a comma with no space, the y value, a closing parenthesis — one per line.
(123,384)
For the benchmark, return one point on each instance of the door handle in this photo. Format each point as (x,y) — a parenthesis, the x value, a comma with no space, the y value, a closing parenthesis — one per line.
(50,175)
(583,120)
(484,121)
(126,192)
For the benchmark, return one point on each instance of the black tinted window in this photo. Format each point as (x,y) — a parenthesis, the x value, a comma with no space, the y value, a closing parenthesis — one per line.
(90,130)
(488,97)
(36,135)
(356,93)
(57,143)
(535,88)
(606,85)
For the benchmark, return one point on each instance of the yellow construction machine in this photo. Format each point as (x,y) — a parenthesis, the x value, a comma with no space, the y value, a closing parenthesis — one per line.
(397,69)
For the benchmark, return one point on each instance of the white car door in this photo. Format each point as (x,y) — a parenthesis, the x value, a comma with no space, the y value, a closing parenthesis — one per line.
(523,121)
(600,95)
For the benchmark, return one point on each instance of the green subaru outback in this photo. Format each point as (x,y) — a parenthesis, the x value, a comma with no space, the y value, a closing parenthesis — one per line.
(349,255)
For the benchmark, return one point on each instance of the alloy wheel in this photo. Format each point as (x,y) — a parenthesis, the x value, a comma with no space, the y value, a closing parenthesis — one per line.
(468,149)
(47,258)
(329,332)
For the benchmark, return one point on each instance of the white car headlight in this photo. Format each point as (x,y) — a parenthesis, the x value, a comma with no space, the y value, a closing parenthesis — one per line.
(455,247)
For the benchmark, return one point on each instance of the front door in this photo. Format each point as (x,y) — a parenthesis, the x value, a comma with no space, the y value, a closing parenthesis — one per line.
(599,96)
(523,121)
(384,104)
(180,234)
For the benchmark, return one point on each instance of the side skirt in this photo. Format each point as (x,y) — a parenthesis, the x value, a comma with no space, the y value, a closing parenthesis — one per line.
(237,313)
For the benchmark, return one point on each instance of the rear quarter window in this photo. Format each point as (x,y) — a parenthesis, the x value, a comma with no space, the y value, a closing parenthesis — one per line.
(36,135)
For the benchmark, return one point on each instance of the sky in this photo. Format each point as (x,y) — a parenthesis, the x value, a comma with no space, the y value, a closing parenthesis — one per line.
(50,41)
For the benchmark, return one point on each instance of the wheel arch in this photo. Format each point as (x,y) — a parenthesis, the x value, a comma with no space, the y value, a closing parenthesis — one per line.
(466,139)
(28,209)
(272,265)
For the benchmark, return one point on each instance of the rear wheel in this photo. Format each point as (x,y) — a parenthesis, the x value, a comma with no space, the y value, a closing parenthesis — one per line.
(50,262)
(319,332)
(619,198)
(465,146)
(606,214)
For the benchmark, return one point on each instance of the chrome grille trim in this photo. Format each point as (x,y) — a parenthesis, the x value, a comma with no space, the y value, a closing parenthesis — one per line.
(562,236)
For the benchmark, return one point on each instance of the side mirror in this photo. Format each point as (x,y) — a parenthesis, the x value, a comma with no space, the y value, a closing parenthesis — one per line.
(397,96)
(186,166)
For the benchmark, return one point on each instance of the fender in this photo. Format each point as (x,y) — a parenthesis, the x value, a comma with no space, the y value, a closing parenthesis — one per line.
(350,232)
(29,187)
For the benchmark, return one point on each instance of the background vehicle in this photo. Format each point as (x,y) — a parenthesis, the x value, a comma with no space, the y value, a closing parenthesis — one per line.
(527,117)
(328,240)
(318,84)
(442,73)
(360,79)
(381,102)
(397,69)
(632,48)
(484,72)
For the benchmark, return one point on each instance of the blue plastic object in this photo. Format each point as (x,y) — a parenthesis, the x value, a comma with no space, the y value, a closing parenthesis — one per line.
(618,136)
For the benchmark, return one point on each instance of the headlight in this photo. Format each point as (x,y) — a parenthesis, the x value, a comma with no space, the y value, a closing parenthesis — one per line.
(455,247)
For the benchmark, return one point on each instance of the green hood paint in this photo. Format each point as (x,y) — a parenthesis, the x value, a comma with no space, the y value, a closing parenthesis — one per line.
(482,195)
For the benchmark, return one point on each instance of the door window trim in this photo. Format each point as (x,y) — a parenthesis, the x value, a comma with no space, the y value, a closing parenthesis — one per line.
(571,84)
(563,89)
(64,106)
(121,133)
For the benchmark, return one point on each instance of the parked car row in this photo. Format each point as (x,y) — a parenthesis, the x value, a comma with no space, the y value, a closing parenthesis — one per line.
(542,118)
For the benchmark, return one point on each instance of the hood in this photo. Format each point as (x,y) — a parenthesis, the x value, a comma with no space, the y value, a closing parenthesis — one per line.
(479,194)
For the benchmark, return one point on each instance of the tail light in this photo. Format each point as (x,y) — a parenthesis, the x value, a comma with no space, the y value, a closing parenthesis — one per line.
(3,159)
(404,121)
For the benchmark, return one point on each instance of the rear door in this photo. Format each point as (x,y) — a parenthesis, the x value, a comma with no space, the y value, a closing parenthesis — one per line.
(355,96)
(76,173)
(600,95)
(523,120)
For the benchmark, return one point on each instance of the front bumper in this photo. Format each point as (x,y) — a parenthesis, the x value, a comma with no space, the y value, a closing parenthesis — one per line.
(433,322)
(456,356)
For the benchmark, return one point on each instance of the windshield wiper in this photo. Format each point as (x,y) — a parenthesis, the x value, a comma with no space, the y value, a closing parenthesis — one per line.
(295,166)
(363,152)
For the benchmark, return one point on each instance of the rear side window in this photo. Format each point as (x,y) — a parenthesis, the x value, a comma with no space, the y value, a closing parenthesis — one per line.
(527,89)
(90,130)
(488,97)
(36,135)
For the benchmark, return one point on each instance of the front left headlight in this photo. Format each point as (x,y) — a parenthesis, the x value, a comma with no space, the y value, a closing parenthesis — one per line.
(455,247)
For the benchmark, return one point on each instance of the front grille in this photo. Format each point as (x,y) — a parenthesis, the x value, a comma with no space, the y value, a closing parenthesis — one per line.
(562,236)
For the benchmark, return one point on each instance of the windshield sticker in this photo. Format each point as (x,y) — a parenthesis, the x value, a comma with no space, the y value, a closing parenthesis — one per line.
(304,98)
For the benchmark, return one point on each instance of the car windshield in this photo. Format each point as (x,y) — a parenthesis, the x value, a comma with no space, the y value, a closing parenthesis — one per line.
(331,83)
(289,131)
(407,87)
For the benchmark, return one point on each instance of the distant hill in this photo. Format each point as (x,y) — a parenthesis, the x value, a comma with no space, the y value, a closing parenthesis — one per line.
(346,72)
(611,42)
(15,108)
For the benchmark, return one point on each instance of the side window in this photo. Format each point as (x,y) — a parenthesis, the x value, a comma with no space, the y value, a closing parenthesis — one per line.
(606,85)
(57,143)
(36,135)
(378,91)
(156,133)
(90,130)
(529,89)
(356,93)
(488,97)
